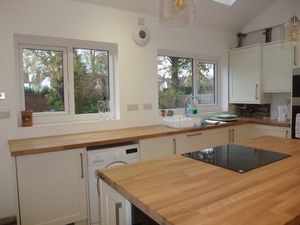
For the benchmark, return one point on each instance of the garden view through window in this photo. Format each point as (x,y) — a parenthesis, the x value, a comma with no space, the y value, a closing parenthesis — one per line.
(179,77)
(61,78)
(91,80)
(43,80)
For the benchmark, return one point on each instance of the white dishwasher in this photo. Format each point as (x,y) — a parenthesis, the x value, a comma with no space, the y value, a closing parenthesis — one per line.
(104,157)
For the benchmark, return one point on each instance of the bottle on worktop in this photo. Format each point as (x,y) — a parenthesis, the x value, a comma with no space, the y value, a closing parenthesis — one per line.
(189,110)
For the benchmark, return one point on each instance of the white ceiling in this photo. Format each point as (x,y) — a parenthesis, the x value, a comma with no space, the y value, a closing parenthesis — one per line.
(210,13)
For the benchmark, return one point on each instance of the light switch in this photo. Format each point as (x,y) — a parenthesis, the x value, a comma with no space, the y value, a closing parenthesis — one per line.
(2,95)
(4,113)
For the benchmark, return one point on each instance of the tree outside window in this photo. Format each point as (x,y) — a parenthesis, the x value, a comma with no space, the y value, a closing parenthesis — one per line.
(177,80)
(43,80)
(91,80)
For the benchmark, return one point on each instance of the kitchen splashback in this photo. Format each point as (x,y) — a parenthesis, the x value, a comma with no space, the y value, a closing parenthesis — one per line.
(250,110)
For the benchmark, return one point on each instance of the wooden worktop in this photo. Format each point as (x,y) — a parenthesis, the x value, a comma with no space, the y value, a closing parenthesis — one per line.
(182,191)
(71,141)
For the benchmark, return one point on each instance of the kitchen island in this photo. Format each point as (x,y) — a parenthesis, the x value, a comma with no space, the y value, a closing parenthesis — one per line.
(182,191)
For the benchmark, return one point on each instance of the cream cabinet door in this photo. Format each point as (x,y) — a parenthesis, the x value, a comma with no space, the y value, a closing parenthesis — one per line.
(221,136)
(241,133)
(52,187)
(229,135)
(115,210)
(192,141)
(266,130)
(245,75)
(154,148)
(277,67)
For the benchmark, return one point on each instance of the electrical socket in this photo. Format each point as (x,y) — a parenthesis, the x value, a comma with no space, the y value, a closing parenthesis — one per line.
(132,107)
(147,106)
(2,95)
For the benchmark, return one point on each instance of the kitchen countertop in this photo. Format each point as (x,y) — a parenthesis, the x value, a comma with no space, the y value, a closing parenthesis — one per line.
(181,191)
(266,121)
(72,141)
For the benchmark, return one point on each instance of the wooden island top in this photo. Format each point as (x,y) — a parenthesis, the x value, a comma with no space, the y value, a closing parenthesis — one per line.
(181,191)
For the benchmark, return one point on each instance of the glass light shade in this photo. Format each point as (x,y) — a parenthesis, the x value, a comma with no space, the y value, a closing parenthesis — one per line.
(174,13)
(294,29)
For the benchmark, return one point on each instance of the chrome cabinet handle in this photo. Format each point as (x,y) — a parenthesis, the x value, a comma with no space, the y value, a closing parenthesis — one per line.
(295,56)
(81,164)
(98,184)
(256,89)
(286,134)
(229,139)
(232,136)
(194,134)
(174,146)
(118,207)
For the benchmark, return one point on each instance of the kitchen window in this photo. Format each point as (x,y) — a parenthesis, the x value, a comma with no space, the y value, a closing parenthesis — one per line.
(181,76)
(43,79)
(64,80)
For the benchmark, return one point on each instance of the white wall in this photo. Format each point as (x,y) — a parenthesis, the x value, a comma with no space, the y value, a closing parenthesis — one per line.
(278,13)
(280,99)
(137,66)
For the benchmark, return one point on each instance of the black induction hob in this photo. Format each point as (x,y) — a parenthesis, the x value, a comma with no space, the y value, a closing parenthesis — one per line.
(236,157)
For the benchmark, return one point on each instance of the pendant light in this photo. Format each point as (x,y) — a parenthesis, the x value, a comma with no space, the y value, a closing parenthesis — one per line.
(293,25)
(174,13)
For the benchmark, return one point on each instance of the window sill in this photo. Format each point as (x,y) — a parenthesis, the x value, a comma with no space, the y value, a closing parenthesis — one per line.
(40,121)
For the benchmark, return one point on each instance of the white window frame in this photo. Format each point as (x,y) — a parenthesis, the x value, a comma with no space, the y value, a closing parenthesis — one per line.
(67,45)
(65,76)
(197,60)
(203,108)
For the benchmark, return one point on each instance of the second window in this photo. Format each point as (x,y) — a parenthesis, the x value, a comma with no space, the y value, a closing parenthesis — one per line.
(179,77)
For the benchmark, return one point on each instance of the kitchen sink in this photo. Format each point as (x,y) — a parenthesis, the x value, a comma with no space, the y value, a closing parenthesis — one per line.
(180,121)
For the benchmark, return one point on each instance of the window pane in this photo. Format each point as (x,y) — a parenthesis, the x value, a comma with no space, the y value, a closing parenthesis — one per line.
(43,80)
(91,80)
(175,81)
(206,82)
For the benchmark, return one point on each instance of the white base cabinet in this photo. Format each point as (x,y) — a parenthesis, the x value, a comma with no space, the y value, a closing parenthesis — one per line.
(115,210)
(266,130)
(154,148)
(229,135)
(222,136)
(52,188)
(192,141)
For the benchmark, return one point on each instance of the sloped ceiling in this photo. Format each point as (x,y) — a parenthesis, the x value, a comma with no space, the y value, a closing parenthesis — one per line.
(211,14)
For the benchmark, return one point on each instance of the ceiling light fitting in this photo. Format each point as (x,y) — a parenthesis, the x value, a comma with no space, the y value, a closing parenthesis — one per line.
(293,25)
(174,13)
(294,28)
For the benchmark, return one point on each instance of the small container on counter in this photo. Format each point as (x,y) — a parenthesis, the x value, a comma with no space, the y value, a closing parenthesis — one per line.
(26,118)
(170,113)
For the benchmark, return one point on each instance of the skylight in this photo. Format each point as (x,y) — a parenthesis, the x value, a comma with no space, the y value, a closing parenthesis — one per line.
(226,2)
